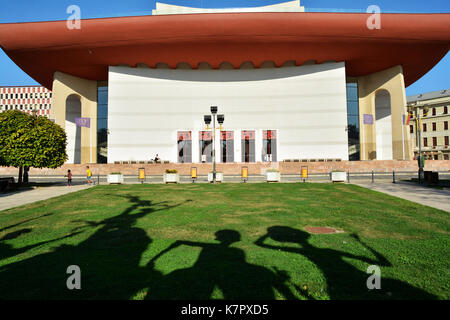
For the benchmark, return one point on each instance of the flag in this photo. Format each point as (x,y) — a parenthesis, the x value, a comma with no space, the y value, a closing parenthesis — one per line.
(406,119)
(83,122)
(368,119)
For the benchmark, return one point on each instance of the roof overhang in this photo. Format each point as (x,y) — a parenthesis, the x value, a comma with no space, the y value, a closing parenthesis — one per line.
(415,41)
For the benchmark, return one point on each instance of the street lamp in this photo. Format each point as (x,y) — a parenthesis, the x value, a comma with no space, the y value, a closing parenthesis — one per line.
(220,120)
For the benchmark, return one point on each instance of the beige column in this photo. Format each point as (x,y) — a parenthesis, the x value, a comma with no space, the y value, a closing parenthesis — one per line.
(392,81)
(65,85)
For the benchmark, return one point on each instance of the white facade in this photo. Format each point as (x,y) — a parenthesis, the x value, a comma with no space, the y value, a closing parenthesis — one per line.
(305,105)
(289,6)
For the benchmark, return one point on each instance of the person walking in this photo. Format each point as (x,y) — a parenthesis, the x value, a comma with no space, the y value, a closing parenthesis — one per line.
(89,176)
(69,178)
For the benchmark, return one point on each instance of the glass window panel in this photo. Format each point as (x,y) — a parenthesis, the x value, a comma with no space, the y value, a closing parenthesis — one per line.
(184,147)
(102,96)
(248,146)
(102,111)
(205,143)
(352,91)
(227,146)
(269,146)
(353,108)
(102,124)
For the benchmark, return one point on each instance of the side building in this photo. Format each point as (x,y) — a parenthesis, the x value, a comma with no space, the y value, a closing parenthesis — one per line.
(29,99)
(433,109)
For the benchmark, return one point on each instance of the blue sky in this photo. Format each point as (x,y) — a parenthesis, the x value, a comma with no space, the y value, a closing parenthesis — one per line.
(47,10)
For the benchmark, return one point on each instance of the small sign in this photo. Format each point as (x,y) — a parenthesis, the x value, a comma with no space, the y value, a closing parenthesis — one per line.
(304,172)
(141,174)
(368,119)
(194,173)
(83,122)
(244,173)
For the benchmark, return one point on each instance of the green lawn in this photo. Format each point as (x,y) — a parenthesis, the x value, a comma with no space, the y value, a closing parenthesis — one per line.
(232,241)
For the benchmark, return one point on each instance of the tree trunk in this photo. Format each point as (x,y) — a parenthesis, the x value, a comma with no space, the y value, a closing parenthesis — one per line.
(20,175)
(25,174)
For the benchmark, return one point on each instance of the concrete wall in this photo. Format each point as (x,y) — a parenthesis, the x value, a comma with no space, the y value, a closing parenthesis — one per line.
(369,86)
(306,105)
(64,86)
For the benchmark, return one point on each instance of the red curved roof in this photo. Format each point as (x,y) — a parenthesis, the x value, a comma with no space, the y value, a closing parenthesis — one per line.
(415,41)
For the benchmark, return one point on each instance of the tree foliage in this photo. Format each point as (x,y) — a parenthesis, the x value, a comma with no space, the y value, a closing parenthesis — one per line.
(31,141)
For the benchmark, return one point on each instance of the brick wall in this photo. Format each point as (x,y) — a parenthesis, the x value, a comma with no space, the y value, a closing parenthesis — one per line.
(235,168)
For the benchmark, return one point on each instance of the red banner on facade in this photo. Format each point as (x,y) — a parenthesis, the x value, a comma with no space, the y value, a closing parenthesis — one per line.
(205,135)
(227,135)
(184,135)
(248,135)
(269,134)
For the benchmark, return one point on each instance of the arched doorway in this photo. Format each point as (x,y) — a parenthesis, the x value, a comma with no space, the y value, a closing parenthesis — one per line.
(383,125)
(73,132)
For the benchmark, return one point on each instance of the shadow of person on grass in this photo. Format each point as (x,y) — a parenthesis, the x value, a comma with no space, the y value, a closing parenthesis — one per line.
(221,266)
(109,260)
(344,281)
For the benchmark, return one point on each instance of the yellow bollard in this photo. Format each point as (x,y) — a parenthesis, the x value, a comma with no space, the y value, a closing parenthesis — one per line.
(245,174)
(304,173)
(142,175)
(193,174)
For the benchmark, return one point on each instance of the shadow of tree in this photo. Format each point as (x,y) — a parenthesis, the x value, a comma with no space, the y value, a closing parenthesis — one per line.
(109,261)
(344,281)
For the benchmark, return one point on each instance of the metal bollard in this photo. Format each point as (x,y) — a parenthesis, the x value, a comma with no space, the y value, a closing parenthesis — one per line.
(348,176)
(373,178)
(393,176)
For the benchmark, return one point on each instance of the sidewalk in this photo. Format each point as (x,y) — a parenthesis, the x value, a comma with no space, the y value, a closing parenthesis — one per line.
(439,199)
(27,196)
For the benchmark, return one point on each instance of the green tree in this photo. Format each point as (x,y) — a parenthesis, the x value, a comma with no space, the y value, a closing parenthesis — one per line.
(30,141)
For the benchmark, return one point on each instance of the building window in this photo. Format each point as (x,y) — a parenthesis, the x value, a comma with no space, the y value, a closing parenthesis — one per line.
(445,110)
(206,143)
(184,147)
(434,141)
(445,125)
(433,111)
(411,129)
(424,127)
(446,140)
(446,157)
(269,146)
(248,146)
(353,121)
(425,142)
(227,146)
(435,157)
(434,126)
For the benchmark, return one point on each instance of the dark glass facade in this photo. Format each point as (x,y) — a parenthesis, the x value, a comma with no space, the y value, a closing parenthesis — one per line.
(102,125)
(353,121)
